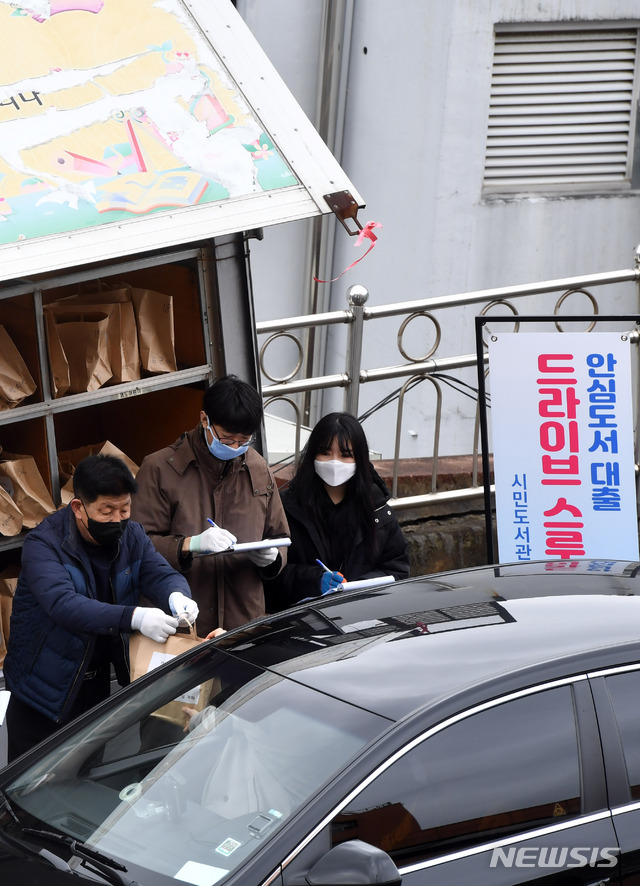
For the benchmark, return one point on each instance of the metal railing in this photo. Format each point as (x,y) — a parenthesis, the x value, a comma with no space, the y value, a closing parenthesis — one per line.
(428,366)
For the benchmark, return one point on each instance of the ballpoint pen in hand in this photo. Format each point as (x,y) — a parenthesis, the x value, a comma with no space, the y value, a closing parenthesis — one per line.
(331,581)
(231,539)
(212,541)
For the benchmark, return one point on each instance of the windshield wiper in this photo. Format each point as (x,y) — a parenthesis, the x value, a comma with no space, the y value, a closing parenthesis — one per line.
(104,864)
(23,848)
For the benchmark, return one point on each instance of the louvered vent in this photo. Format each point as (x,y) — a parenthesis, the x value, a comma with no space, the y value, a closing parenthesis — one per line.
(562,109)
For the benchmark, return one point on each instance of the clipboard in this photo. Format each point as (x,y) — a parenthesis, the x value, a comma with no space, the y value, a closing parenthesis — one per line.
(380,581)
(5,695)
(366,583)
(241,546)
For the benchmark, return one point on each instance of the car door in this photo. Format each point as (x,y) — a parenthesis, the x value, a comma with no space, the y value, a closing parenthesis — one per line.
(617,696)
(511,791)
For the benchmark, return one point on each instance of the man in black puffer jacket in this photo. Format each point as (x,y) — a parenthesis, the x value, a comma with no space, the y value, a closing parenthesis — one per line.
(84,569)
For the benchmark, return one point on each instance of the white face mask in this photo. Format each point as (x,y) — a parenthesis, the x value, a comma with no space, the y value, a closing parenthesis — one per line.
(334,472)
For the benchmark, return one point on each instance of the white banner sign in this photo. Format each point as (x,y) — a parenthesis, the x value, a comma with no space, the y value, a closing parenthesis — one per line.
(561,417)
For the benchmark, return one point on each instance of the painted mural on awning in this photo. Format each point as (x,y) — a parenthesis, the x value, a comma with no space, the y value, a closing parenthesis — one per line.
(112,109)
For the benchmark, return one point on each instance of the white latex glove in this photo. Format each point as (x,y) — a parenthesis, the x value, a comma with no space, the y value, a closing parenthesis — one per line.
(206,716)
(262,556)
(212,541)
(183,607)
(153,623)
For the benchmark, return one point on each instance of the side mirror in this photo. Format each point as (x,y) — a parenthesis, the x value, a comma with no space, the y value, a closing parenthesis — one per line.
(354,863)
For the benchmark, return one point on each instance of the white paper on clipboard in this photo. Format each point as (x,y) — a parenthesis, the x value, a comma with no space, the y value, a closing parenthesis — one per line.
(381,580)
(366,583)
(240,546)
(5,695)
(256,545)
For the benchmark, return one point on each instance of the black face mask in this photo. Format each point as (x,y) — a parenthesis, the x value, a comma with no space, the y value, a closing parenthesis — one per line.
(106,534)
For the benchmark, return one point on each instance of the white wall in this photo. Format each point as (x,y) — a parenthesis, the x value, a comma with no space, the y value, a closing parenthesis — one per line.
(414,142)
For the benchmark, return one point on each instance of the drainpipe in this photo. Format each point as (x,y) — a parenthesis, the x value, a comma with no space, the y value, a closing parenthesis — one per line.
(331,99)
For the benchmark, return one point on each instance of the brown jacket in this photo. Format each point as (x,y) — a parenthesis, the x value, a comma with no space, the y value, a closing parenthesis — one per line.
(183,484)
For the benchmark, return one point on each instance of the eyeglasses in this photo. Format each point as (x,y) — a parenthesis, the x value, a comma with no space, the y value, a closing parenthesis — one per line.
(229,441)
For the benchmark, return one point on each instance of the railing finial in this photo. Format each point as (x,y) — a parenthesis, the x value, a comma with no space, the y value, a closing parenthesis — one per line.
(636,256)
(357,295)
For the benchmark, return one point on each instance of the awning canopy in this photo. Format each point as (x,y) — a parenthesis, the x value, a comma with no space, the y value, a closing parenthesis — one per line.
(132,126)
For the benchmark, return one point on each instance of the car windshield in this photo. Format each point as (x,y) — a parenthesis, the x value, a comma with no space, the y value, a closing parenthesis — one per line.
(199,765)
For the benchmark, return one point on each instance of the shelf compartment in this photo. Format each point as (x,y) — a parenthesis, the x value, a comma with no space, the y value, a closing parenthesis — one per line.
(136,427)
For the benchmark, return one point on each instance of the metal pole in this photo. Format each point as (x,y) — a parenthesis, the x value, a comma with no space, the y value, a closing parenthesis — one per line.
(484,437)
(331,101)
(357,297)
(634,340)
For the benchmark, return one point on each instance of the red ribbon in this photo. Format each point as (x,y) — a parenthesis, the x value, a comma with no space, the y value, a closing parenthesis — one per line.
(366,233)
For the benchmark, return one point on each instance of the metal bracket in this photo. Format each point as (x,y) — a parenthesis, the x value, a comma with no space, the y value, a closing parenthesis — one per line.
(344,207)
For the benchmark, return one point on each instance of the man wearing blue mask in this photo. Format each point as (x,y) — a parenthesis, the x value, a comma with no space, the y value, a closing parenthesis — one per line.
(208,490)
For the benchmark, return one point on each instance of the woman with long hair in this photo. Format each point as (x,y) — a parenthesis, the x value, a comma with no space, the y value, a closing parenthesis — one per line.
(336,506)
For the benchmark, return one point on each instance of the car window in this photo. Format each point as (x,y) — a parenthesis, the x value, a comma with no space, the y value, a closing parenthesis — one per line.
(623,691)
(509,768)
(166,792)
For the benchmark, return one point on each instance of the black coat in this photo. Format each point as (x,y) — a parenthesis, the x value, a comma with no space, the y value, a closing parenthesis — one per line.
(301,576)
(57,618)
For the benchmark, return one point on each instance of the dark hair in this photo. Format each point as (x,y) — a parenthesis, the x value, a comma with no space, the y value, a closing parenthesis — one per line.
(234,404)
(102,475)
(309,488)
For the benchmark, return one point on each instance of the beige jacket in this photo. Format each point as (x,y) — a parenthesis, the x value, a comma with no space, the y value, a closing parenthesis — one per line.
(183,484)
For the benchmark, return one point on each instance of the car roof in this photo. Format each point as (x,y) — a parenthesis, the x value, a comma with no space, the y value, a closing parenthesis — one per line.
(399,648)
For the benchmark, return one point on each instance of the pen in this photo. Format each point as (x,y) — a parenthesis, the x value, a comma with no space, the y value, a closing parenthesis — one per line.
(320,563)
(209,520)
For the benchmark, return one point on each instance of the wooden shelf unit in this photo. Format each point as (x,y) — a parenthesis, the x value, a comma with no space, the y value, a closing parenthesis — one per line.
(138,417)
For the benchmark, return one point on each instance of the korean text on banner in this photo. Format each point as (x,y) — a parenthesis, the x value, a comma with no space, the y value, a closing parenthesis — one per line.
(562,428)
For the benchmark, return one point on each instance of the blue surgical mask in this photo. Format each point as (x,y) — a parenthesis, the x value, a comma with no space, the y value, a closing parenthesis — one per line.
(221,450)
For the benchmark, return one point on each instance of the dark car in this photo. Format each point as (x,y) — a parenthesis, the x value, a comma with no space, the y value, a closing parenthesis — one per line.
(474,727)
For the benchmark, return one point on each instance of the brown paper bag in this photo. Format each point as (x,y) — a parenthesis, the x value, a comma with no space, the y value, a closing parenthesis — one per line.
(156,333)
(146,654)
(58,363)
(10,514)
(30,493)
(8,582)
(122,333)
(84,340)
(16,382)
(68,460)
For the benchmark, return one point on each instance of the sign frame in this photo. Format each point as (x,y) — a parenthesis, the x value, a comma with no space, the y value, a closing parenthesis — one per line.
(632,322)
